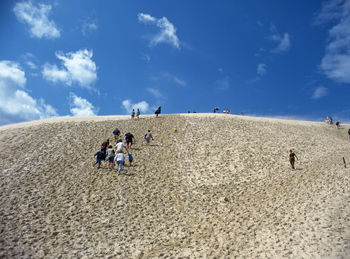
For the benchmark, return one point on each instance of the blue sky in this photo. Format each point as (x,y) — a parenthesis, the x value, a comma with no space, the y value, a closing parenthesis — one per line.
(263,58)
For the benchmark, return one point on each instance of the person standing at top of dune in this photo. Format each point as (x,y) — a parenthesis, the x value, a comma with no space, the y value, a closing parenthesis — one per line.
(148,137)
(349,133)
(133,113)
(292,157)
(337,124)
(138,113)
(158,111)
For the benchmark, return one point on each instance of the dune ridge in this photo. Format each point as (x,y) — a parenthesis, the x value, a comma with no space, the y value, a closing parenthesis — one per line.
(220,186)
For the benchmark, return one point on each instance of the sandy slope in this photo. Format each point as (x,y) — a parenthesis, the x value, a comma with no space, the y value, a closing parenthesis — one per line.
(221,186)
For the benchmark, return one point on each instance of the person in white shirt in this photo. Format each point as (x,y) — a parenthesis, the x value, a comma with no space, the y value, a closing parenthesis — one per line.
(120,145)
(110,155)
(119,158)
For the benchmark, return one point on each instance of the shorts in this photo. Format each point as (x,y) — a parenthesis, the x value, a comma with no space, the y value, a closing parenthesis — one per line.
(128,141)
(116,137)
(148,140)
(111,159)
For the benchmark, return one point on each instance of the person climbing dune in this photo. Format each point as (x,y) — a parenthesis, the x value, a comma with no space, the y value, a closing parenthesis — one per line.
(292,157)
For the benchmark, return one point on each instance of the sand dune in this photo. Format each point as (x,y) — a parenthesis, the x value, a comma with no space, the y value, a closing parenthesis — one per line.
(220,186)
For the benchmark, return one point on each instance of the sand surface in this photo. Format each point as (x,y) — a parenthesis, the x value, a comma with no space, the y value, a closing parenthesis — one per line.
(219,187)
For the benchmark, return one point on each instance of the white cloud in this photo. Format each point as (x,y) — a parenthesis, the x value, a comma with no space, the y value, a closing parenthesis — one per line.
(31,65)
(77,68)
(336,62)
(155,92)
(15,104)
(283,42)
(146,18)
(128,106)
(331,9)
(30,60)
(167,32)
(224,83)
(80,106)
(36,17)
(261,69)
(319,92)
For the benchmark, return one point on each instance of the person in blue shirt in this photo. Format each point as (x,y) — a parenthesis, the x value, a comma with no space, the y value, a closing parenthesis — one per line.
(99,157)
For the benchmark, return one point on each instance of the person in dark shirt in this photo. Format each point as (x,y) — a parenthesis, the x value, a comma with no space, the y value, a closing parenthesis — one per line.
(158,111)
(99,157)
(116,134)
(104,146)
(292,157)
(129,138)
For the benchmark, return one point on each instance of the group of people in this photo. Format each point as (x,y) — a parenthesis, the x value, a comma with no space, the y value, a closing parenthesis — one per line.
(157,112)
(116,156)
(137,113)
(329,121)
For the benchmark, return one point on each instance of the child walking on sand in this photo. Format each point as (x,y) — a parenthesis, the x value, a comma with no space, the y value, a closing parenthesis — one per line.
(99,157)
(148,137)
(292,157)
(119,158)
(138,113)
(130,158)
(110,155)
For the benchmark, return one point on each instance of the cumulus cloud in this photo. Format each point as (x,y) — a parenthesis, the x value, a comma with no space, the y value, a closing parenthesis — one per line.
(261,69)
(336,61)
(167,31)
(15,104)
(77,67)
(128,106)
(282,41)
(319,92)
(80,106)
(36,17)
